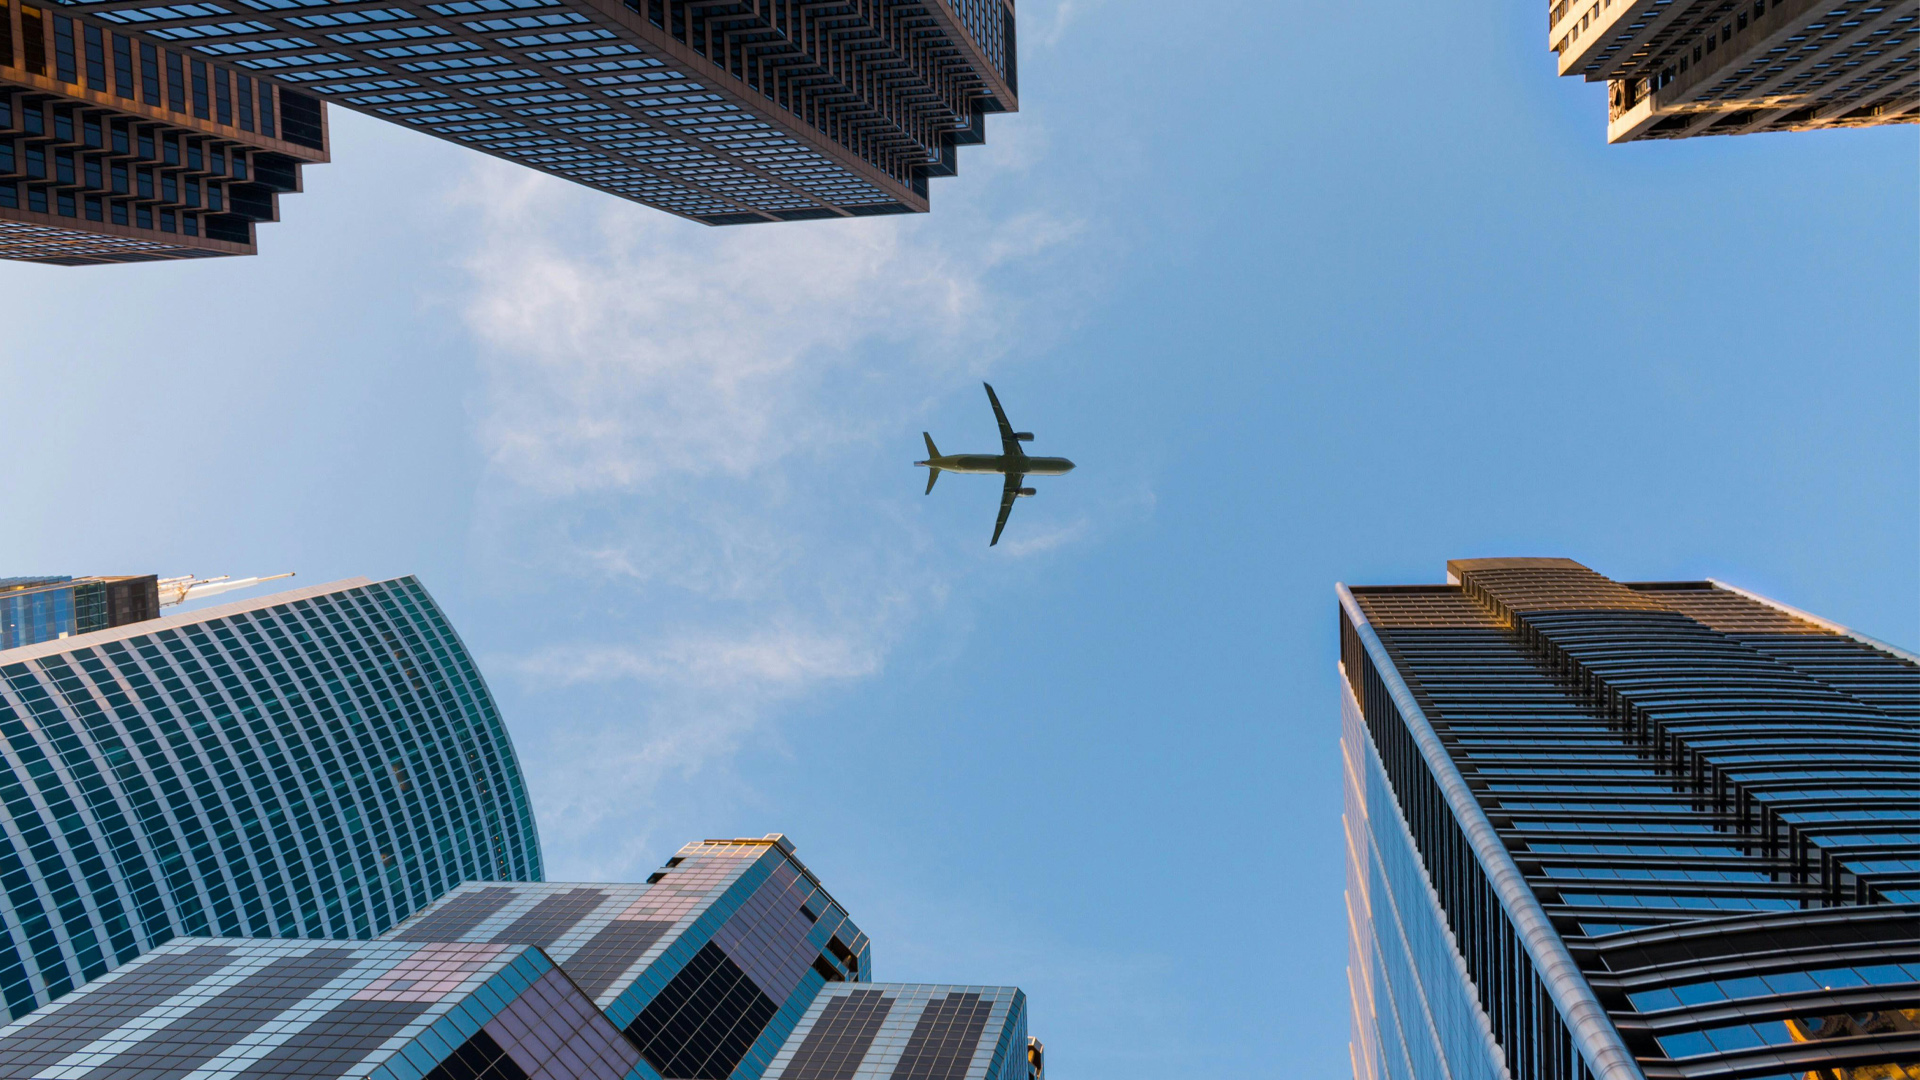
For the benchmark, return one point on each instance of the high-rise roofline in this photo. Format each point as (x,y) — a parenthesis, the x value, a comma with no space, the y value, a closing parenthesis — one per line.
(170,622)
(1659,828)
(1594,1036)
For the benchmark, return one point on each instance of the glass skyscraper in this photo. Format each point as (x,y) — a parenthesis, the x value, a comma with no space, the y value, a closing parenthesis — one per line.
(319,763)
(1627,831)
(36,609)
(731,963)
(133,131)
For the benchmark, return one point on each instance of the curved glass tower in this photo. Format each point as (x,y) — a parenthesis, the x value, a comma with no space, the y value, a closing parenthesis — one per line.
(1627,831)
(314,764)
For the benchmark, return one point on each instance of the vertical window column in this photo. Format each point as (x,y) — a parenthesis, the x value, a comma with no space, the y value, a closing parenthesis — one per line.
(149,74)
(222,97)
(96,59)
(176,83)
(201,106)
(123,84)
(64,67)
(245,86)
(33,29)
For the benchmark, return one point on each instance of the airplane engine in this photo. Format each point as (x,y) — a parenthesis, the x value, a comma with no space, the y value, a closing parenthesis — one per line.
(1024,491)
(1023,436)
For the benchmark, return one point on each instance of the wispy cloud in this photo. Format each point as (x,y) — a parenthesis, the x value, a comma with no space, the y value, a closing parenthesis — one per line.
(1053,25)
(683,423)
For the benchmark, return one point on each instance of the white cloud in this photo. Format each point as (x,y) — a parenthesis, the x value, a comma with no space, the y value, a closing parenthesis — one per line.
(681,422)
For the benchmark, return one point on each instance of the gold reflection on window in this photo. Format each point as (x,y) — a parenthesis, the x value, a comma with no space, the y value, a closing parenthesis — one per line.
(1841,1025)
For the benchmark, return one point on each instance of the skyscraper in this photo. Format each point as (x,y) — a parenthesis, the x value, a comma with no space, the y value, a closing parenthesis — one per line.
(1625,831)
(1678,69)
(318,763)
(121,147)
(731,962)
(747,111)
(36,609)
(49,607)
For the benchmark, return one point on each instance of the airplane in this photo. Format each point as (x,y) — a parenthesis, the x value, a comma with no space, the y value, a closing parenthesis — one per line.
(1012,461)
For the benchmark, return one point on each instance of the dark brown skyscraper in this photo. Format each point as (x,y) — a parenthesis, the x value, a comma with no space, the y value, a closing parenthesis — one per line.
(117,147)
(727,113)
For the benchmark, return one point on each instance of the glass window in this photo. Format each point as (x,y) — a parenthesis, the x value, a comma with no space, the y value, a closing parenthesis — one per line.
(1685,1044)
(1654,1000)
(1699,993)
(1788,982)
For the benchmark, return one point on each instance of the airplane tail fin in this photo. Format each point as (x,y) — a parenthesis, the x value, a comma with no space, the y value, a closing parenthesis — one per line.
(933,471)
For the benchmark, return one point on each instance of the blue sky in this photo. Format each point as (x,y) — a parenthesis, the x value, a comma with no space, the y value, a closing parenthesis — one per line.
(1311,292)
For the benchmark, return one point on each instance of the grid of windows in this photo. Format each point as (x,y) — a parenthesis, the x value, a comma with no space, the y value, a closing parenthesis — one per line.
(1645,754)
(234,1009)
(907,1030)
(319,763)
(33,610)
(96,167)
(1735,66)
(707,965)
(726,113)
(500,1004)
(840,1038)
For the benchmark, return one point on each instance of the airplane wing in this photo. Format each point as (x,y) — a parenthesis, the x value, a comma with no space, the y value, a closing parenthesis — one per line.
(1009,445)
(1007,496)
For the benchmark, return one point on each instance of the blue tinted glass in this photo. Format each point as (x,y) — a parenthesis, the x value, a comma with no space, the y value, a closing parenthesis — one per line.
(1685,1044)
(1771,1032)
(1737,1037)
(1747,986)
(1883,973)
(1699,993)
(1837,977)
(1653,1000)
(1787,982)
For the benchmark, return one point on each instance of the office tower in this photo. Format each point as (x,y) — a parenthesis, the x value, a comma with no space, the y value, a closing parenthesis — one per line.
(1620,831)
(910,1030)
(318,763)
(731,962)
(36,609)
(752,111)
(705,967)
(49,607)
(276,1010)
(1679,68)
(118,146)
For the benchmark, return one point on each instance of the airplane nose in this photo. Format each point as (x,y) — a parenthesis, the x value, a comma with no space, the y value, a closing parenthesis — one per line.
(1069,466)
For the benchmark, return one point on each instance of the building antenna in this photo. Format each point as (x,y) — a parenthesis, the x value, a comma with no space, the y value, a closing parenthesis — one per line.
(179,590)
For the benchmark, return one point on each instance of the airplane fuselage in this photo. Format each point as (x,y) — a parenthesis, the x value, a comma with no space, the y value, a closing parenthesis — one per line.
(1000,464)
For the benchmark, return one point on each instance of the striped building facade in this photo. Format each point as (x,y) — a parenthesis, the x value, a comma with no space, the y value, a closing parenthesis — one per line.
(318,763)
(1647,831)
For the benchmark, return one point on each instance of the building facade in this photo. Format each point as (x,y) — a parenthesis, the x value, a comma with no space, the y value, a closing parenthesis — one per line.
(1620,831)
(142,130)
(1679,68)
(36,609)
(319,763)
(118,146)
(731,963)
